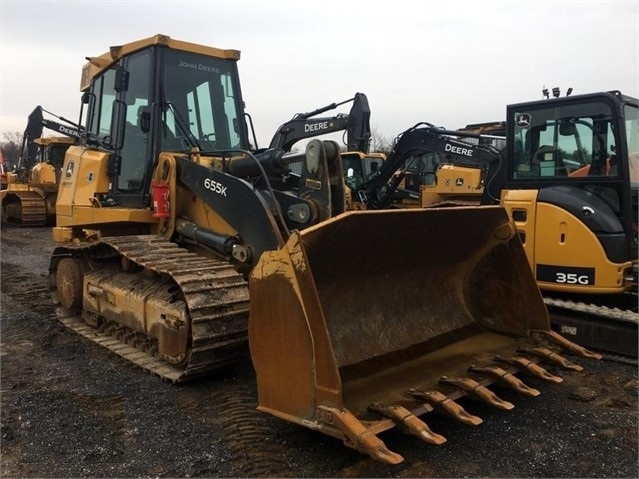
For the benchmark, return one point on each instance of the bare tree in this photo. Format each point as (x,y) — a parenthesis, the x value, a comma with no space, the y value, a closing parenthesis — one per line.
(11,148)
(380,143)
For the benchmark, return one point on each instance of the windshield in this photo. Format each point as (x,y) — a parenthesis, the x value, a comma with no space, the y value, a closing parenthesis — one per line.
(201,104)
(574,140)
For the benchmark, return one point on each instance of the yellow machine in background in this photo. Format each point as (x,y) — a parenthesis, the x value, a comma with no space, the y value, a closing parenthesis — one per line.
(30,194)
(171,233)
(570,183)
(567,172)
(31,201)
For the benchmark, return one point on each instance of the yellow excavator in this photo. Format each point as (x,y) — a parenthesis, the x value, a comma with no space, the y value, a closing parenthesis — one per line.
(30,193)
(568,175)
(177,247)
(358,163)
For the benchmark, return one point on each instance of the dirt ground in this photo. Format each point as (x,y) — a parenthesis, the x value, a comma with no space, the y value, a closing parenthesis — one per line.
(70,408)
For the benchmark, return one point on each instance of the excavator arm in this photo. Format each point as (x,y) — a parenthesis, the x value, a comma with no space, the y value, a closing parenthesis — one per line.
(35,124)
(423,138)
(307,125)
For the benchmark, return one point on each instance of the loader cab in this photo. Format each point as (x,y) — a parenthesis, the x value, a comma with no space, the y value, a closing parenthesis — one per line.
(166,97)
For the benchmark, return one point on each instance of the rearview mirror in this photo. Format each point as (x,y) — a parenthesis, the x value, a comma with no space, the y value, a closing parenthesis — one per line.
(567,128)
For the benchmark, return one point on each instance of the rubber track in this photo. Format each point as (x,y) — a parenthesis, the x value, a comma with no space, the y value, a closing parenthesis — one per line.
(593,309)
(217,300)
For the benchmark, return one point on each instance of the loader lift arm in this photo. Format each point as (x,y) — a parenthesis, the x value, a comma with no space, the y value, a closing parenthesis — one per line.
(382,188)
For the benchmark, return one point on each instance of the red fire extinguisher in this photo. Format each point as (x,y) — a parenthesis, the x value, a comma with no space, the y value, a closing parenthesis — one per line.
(160,195)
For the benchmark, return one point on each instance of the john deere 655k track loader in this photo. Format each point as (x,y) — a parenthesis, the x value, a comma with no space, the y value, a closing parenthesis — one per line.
(178,247)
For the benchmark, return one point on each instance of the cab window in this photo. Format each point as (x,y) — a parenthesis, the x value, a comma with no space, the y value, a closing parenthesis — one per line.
(567,141)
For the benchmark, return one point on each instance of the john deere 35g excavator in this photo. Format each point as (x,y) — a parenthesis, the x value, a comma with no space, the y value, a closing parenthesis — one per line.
(570,184)
(177,247)
(568,178)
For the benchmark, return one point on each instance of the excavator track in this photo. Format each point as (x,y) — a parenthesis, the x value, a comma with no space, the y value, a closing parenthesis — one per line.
(27,209)
(216,298)
(607,329)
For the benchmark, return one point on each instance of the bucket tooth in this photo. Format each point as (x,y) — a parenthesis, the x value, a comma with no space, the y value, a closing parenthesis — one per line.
(506,378)
(531,367)
(473,387)
(443,404)
(359,436)
(551,356)
(408,422)
(558,339)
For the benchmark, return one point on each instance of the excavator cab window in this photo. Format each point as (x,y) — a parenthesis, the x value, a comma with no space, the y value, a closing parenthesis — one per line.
(353,170)
(631,113)
(55,155)
(571,141)
(422,170)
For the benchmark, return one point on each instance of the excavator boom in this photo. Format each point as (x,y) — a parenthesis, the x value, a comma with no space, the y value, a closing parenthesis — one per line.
(307,125)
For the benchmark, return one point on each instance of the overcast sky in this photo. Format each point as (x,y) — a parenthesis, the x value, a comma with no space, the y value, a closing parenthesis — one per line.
(450,63)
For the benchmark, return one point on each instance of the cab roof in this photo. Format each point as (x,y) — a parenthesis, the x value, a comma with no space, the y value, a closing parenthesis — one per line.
(98,64)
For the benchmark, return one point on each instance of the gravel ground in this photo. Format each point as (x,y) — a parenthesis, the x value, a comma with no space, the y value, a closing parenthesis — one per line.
(70,408)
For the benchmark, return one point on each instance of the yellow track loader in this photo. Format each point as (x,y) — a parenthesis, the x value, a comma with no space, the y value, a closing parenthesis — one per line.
(178,248)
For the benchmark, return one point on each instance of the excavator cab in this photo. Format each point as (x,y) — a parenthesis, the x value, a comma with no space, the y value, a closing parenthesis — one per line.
(573,165)
(571,186)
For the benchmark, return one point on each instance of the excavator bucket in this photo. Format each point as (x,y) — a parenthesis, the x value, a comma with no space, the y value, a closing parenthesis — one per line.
(373,318)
